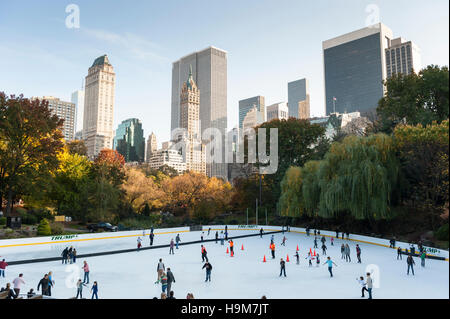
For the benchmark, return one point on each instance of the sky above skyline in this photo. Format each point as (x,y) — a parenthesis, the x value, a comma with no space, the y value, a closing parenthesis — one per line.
(269,44)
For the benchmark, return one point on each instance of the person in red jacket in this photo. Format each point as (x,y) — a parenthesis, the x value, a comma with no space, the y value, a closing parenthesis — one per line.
(231,247)
(3,265)
(272,248)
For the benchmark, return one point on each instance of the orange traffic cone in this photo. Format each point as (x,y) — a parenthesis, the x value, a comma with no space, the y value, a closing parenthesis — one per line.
(227,250)
(242,248)
(287,258)
(314,253)
(310,251)
(297,247)
(232,254)
(264,260)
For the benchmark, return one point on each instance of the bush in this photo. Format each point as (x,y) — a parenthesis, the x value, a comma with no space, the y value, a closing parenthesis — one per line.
(29,219)
(57,228)
(44,228)
(2,221)
(442,233)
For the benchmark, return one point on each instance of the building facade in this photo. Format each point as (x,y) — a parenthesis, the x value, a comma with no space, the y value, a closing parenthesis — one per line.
(169,157)
(78,99)
(129,140)
(277,111)
(354,69)
(402,57)
(193,150)
(64,110)
(209,71)
(245,106)
(99,107)
(152,146)
(298,91)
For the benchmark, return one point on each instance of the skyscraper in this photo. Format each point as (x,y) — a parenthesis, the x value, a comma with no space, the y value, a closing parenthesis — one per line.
(277,111)
(194,149)
(245,106)
(402,57)
(152,146)
(298,91)
(99,106)
(209,71)
(354,69)
(78,99)
(129,140)
(64,110)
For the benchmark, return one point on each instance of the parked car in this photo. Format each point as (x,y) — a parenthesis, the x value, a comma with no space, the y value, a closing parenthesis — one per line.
(102,226)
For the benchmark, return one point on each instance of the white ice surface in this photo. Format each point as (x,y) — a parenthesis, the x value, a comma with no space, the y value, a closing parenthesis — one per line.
(132,275)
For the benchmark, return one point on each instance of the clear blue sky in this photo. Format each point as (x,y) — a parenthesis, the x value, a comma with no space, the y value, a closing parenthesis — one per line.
(269,43)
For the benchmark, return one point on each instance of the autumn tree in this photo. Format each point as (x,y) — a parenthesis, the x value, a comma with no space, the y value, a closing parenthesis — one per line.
(30,138)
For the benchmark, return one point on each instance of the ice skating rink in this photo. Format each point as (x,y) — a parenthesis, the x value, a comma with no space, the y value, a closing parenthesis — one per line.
(133,275)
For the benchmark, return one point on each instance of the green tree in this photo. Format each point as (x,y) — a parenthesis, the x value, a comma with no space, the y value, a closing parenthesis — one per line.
(44,228)
(415,99)
(77,147)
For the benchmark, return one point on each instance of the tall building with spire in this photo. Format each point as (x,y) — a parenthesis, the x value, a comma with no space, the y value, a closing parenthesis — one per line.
(99,106)
(152,147)
(209,71)
(193,148)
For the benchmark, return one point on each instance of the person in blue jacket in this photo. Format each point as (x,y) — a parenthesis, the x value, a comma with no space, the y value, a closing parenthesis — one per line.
(330,265)
(94,290)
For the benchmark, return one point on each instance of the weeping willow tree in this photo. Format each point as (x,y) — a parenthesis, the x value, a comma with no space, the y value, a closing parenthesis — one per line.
(357,176)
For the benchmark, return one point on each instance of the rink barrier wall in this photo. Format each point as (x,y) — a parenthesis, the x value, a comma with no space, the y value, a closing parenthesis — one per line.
(48,259)
(439,254)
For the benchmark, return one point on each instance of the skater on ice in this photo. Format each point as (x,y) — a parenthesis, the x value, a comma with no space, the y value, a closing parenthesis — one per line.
(94,290)
(282,267)
(204,254)
(358,253)
(347,253)
(315,242)
(324,249)
(422,258)
(399,253)
(231,247)
(332,241)
(64,255)
(3,265)
(217,236)
(309,257)
(18,282)
(177,240)
(201,236)
(261,231)
(283,243)
(86,272)
(410,262)
(208,268)
(163,281)
(330,265)
(170,280)
(222,238)
(172,244)
(152,236)
(369,283)
(297,256)
(139,243)
(317,260)
(363,285)
(79,289)
(272,249)
(160,268)
(43,284)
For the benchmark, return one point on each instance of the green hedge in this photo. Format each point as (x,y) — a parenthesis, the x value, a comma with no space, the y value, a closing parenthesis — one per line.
(442,233)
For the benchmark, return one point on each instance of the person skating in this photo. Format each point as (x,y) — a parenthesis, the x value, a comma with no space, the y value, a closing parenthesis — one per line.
(80,289)
(151,236)
(330,266)
(332,241)
(217,236)
(422,258)
(177,240)
(69,255)
(163,281)
(307,231)
(315,242)
(399,253)
(272,239)
(318,232)
(160,268)
(209,230)
(309,257)
(139,243)
(324,249)
(18,282)
(204,253)
(282,267)
(172,244)
(64,255)
(363,285)
(51,283)
(86,272)
(170,280)
(284,241)
(261,231)
(298,257)
(323,240)
(348,235)
(315,232)
(208,267)
(3,265)
(74,255)
(369,282)
(226,233)
(201,237)
(94,290)
(347,253)
(222,238)
(272,249)
(317,260)
(411,263)
(342,251)
(43,284)
(358,253)
(337,233)
(231,247)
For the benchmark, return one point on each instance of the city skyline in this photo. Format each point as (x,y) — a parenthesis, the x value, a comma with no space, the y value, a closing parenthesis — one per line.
(142,52)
